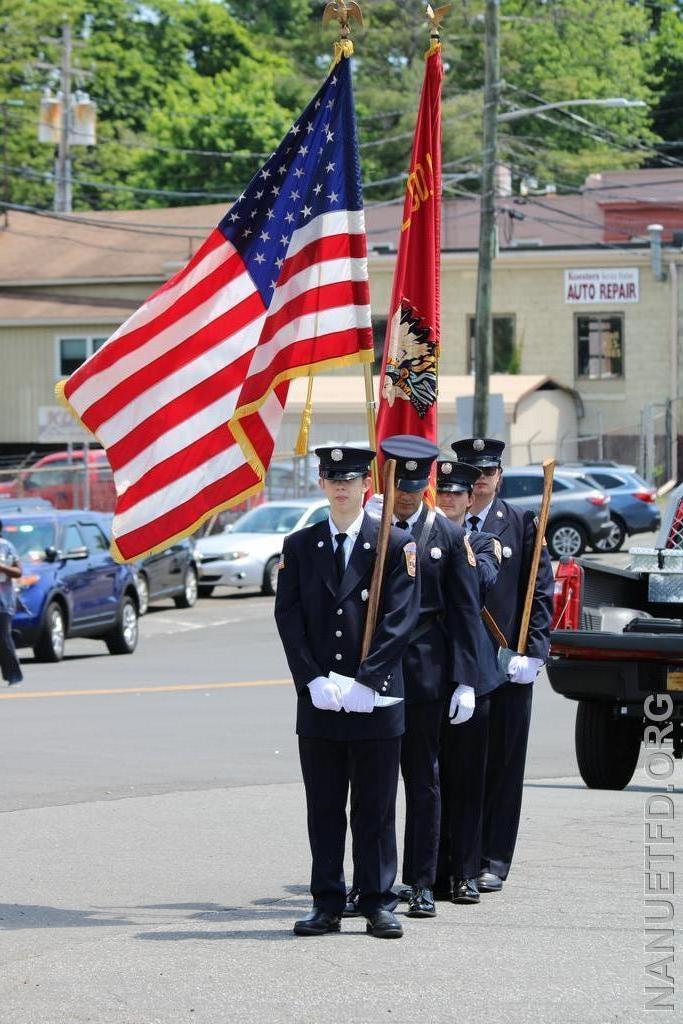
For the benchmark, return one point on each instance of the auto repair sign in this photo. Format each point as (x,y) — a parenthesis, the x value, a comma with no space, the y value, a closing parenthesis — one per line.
(601,285)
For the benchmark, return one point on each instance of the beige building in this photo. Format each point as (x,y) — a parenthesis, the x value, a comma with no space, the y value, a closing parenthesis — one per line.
(591,330)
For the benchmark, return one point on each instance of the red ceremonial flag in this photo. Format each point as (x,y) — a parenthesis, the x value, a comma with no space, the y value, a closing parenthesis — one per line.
(188,395)
(408,383)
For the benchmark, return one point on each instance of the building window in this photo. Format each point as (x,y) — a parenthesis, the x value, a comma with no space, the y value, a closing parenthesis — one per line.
(72,352)
(505,354)
(600,347)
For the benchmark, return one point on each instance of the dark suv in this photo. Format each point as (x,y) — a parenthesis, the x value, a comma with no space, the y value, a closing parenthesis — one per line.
(71,586)
(579,509)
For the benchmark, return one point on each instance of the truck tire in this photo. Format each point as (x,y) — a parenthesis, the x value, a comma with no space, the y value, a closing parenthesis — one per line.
(607,748)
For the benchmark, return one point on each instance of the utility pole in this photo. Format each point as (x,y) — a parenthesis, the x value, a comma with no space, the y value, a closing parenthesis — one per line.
(63,164)
(483,340)
(65,120)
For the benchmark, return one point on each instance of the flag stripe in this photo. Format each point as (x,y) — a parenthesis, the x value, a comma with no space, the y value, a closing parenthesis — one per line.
(307,327)
(327,247)
(312,277)
(169,498)
(155,532)
(349,222)
(317,347)
(214,345)
(219,267)
(176,415)
(347,290)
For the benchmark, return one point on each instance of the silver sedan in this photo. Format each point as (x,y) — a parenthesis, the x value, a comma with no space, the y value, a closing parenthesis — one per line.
(247,552)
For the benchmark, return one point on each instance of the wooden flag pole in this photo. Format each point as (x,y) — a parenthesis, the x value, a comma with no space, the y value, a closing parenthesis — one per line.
(380,558)
(548,472)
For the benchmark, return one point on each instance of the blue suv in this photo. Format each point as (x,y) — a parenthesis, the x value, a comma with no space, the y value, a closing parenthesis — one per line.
(71,586)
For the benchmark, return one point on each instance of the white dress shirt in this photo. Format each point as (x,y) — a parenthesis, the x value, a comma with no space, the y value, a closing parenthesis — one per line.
(411,519)
(351,532)
(481,518)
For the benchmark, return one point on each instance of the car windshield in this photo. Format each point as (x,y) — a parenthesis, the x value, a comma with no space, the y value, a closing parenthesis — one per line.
(269,519)
(30,537)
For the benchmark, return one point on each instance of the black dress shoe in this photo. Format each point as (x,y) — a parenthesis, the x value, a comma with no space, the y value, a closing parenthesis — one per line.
(465,891)
(351,908)
(384,925)
(421,903)
(488,882)
(318,922)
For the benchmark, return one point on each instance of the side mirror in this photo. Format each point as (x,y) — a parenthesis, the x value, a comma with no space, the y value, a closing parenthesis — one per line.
(76,553)
(51,553)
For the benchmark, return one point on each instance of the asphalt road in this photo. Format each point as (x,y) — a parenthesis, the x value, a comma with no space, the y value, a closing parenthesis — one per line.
(205,702)
(154,857)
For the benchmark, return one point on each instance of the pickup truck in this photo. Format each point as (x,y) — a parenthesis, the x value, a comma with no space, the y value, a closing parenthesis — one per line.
(617,649)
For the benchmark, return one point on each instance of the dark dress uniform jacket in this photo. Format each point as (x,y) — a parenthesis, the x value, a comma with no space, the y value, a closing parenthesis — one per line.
(516,531)
(321,624)
(443,650)
(488,568)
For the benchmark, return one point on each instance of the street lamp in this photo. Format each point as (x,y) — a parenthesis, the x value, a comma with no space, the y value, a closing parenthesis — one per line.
(610,101)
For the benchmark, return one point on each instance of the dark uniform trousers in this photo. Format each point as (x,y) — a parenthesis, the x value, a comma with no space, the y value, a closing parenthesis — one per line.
(443,655)
(370,769)
(483,760)
(321,621)
(420,770)
(483,793)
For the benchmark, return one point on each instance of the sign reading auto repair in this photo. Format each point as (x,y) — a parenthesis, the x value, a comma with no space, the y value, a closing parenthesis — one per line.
(601,285)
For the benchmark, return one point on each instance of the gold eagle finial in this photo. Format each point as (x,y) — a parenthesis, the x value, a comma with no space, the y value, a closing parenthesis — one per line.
(435,17)
(339,10)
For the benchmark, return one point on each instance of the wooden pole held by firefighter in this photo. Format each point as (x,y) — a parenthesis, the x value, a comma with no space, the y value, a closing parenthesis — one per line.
(548,471)
(380,559)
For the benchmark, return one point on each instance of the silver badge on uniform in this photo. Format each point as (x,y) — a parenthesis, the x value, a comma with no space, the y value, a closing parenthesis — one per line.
(435,553)
(336,454)
(478,445)
(446,468)
(411,465)
(507,552)
(363,595)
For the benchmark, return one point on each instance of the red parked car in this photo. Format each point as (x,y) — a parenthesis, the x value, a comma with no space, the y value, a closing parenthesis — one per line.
(60,479)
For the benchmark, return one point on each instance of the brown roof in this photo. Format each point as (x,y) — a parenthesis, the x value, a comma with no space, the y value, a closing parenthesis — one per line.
(149,245)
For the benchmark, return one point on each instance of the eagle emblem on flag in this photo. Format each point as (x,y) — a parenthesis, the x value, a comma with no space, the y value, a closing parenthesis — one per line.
(410,371)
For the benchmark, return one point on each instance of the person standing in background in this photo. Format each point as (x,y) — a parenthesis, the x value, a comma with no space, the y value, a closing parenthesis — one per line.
(10,570)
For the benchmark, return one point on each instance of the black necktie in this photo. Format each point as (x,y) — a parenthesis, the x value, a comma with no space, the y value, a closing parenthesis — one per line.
(339,559)
(402,524)
(474,524)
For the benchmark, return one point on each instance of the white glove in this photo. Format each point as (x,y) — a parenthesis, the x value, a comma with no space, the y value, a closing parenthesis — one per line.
(359,698)
(326,696)
(522,669)
(374,506)
(462,705)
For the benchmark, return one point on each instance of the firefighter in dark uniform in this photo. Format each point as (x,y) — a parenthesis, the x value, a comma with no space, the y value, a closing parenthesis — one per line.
(439,666)
(488,769)
(350,716)
(454,484)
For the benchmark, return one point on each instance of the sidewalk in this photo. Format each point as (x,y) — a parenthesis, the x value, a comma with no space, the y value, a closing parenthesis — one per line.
(179,908)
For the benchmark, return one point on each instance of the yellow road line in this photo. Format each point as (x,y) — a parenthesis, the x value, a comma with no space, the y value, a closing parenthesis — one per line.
(180,687)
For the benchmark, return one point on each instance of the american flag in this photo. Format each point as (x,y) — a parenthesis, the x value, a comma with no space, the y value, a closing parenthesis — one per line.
(187,396)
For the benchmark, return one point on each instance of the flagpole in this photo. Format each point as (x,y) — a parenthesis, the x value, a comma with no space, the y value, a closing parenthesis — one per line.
(339,10)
